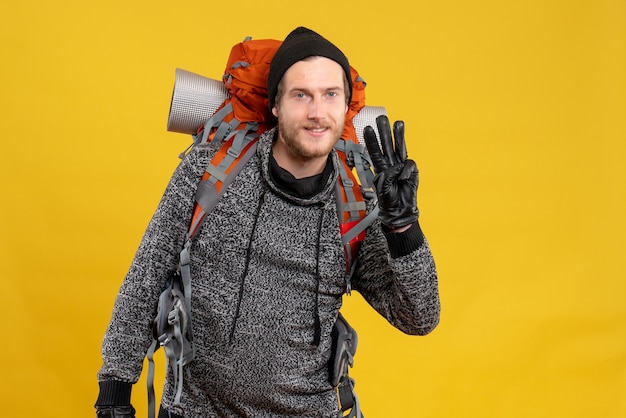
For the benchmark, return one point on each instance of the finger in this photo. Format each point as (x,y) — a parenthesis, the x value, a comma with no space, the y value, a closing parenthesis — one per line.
(386,141)
(371,142)
(398,137)
(409,170)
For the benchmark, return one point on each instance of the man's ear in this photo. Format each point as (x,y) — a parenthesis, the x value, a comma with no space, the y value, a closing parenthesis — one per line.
(275,111)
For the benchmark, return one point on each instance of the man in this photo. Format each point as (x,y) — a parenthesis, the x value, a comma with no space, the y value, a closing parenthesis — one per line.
(268,264)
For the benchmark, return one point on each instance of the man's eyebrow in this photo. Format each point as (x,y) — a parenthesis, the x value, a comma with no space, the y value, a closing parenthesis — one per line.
(309,90)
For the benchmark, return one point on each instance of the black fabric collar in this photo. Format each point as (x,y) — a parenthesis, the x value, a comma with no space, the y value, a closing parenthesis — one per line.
(303,188)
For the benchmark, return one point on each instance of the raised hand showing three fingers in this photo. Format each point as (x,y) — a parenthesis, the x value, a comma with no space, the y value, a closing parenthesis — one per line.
(396,177)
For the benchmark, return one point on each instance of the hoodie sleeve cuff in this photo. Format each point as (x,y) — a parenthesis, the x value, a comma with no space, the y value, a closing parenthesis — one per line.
(404,243)
(114,393)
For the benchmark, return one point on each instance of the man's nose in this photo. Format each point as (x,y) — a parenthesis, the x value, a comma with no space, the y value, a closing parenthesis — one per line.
(316,108)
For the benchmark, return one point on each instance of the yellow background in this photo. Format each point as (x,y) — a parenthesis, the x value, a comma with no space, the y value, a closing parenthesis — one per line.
(515,113)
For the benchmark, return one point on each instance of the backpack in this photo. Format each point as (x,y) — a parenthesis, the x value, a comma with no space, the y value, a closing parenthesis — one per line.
(235,112)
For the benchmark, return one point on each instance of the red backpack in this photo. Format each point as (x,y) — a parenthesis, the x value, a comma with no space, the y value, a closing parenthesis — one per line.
(242,115)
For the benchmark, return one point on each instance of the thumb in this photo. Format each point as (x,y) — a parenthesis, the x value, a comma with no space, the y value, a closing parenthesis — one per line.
(409,170)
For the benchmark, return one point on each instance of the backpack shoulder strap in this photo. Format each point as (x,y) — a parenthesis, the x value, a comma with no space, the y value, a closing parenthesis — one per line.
(219,174)
(237,122)
(351,194)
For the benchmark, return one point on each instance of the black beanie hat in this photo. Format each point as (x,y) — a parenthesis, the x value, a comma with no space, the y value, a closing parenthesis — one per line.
(299,44)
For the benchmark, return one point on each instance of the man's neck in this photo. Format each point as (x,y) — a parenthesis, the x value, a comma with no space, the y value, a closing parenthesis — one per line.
(305,187)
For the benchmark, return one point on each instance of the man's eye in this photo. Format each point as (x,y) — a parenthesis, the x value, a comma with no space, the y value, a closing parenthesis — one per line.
(332,93)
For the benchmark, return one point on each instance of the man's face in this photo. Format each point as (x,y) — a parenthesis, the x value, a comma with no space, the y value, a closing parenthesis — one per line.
(311,109)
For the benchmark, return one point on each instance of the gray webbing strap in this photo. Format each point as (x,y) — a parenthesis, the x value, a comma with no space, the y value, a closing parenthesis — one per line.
(215,120)
(348,398)
(207,195)
(239,64)
(241,139)
(351,234)
(352,205)
(360,226)
(363,164)
(358,156)
(355,154)
(185,273)
(224,129)
(177,363)
(150,378)
(177,369)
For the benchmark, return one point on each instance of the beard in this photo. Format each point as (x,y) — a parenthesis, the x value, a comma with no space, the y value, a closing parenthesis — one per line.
(306,148)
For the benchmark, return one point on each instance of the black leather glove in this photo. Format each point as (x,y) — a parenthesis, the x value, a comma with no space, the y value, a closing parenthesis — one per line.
(115,411)
(396,177)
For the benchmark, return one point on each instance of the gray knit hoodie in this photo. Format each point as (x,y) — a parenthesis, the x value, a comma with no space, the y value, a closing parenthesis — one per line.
(266,267)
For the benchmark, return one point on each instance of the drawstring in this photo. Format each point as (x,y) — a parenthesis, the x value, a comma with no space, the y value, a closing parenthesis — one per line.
(317,332)
(247,263)
(316,313)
